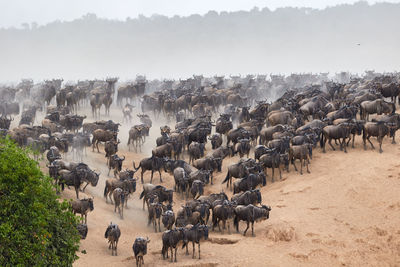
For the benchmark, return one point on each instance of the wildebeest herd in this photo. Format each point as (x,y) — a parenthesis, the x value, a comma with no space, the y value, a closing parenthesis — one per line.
(228,113)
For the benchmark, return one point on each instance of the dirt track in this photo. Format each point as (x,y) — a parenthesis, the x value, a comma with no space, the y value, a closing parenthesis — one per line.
(346,212)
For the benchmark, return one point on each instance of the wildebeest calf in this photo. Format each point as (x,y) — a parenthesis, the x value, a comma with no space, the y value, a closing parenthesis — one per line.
(250,214)
(113,234)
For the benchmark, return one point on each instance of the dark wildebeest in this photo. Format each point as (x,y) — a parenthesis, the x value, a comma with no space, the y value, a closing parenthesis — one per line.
(76,178)
(238,170)
(196,151)
(393,120)
(111,147)
(127,174)
(115,163)
(168,219)
(82,206)
(271,160)
(243,147)
(113,234)
(197,188)
(223,212)
(341,132)
(140,249)
(119,196)
(222,152)
(162,193)
(79,143)
(128,186)
(208,163)
(301,152)
(153,164)
(101,135)
(216,140)
(246,198)
(171,239)
(194,233)
(82,229)
(163,151)
(53,154)
(378,129)
(249,182)
(250,214)
(155,211)
(181,181)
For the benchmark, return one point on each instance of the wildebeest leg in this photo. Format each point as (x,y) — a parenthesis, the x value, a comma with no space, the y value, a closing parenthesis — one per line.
(141,176)
(301,165)
(280,172)
(372,145)
(97,146)
(252,228)
(248,225)
(77,191)
(229,227)
(344,145)
(273,173)
(380,139)
(116,244)
(352,141)
(159,227)
(193,249)
(159,171)
(199,250)
(329,142)
(176,248)
(307,168)
(294,164)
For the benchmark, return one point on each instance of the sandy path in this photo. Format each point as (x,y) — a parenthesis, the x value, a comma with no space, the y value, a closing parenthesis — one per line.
(346,212)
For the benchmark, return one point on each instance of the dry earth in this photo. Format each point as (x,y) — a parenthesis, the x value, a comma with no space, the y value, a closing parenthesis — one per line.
(345,212)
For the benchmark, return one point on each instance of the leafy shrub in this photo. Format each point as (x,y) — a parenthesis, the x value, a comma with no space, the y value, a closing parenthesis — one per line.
(36,228)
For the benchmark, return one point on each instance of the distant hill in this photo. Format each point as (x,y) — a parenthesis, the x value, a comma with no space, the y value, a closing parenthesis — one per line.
(346,37)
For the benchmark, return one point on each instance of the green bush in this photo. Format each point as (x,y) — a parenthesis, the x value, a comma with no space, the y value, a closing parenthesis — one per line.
(36,228)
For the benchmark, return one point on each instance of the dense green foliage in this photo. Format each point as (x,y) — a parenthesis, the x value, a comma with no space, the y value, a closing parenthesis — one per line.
(36,228)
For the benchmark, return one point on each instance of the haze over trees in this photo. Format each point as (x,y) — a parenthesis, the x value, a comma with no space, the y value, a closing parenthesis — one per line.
(346,37)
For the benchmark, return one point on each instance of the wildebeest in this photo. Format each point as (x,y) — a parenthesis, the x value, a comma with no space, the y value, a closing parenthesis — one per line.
(251,181)
(196,151)
(113,234)
(115,163)
(222,152)
(82,229)
(181,181)
(139,248)
(194,233)
(79,143)
(238,170)
(135,137)
(168,219)
(82,206)
(222,212)
(340,132)
(250,214)
(378,129)
(162,193)
(101,135)
(271,160)
(249,197)
(301,152)
(155,212)
(171,239)
(53,154)
(153,164)
(208,163)
(111,147)
(216,140)
(128,185)
(77,177)
(197,188)
(243,147)
(119,196)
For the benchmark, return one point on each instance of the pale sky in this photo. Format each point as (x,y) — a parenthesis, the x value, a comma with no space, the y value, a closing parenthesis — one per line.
(15,12)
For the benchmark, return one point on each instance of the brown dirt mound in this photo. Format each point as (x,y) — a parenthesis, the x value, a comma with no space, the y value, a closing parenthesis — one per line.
(280,232)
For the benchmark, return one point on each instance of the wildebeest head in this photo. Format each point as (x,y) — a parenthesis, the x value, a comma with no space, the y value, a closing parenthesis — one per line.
(93,177)
(217,163)
(203,231)
(90,201)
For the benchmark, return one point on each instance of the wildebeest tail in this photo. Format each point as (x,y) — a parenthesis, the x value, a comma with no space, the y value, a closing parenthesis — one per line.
(226,178)
(105,191)
(141,195)
(321,140)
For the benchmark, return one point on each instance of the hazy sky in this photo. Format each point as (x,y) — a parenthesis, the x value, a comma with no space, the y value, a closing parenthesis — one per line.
(16,12)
